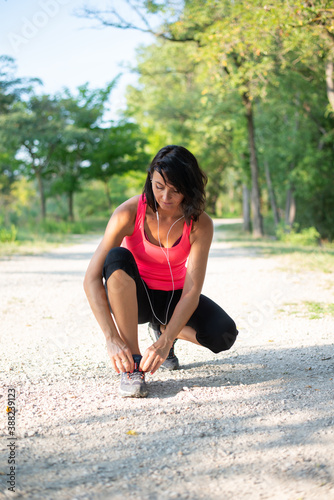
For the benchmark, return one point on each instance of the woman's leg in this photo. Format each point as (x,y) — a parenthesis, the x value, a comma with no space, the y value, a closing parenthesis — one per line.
(123,303)
(189,334)
(125,294)
(210,326)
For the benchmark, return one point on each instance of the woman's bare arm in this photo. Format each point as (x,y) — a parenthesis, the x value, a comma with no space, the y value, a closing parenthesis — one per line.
(121,224)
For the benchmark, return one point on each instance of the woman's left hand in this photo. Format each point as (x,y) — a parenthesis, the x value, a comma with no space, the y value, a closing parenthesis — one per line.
(155,355)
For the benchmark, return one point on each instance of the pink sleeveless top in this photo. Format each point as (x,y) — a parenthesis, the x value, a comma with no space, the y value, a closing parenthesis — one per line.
(151,259)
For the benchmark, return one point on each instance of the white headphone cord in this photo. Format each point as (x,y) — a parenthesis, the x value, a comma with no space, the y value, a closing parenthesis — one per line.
(170,270)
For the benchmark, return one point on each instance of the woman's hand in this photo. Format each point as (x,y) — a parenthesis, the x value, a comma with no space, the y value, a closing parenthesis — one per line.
(155,355)
(120,355)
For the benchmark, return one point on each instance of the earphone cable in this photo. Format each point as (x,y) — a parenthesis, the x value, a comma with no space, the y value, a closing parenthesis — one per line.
(170,270)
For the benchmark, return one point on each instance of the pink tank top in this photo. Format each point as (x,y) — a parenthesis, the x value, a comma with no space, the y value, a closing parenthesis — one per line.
(151,259)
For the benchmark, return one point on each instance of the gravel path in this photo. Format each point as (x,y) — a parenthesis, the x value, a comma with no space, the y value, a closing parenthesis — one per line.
(255,422)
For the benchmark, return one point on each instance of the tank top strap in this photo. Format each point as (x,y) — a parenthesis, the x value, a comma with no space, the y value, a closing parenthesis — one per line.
(141,211)
(188,228)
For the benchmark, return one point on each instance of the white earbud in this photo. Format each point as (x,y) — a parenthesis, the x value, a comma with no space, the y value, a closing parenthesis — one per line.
(156,208)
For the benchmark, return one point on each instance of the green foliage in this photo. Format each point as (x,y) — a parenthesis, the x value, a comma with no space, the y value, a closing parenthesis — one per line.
(232,59)
(307,236)
(59,142)
(117,150)
(246,56)
(91,200)
(12,88)
(51,226)
(151,6)
(171,105)
(8,235)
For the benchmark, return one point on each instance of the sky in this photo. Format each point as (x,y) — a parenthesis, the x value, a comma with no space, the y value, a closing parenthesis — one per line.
(48,41)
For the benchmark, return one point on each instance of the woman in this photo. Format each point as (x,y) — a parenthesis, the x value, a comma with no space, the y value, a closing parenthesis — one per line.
(153,259)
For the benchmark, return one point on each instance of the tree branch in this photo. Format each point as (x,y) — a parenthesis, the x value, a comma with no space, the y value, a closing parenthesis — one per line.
(139,14)
(119,22)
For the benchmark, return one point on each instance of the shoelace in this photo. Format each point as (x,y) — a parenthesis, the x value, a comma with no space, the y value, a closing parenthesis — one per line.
(130,375)
(136,371)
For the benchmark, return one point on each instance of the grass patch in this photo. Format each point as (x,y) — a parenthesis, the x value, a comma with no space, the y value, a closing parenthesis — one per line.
(319,309)
(308,309)
(35,246)
(297,258)
(38,238)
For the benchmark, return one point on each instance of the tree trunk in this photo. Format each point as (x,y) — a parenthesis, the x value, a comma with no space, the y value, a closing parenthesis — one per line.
(246,208)
(290,207)
(107,191)
(41,194)
(70,206)
(272,196)
(330,80)
(6,203)
(255,196)
(212,203)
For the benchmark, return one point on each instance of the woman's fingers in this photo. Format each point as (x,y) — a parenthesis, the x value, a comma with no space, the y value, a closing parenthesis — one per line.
(121,358)
(125,361)
(114,365)
(151,360)
(146,360)
(156,364)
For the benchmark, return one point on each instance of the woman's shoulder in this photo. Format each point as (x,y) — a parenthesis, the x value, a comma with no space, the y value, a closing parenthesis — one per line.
(128,208)
(203,227)
(123,219)
(204,222)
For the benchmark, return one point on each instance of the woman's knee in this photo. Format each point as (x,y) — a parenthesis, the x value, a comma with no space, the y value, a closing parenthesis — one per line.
(225,337)
(118,259)
(117,254)
(229,335)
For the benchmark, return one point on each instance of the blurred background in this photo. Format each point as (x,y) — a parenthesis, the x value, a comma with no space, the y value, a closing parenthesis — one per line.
(89,92)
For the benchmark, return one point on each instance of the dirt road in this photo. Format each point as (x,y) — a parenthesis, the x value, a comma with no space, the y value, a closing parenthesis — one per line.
(253,423)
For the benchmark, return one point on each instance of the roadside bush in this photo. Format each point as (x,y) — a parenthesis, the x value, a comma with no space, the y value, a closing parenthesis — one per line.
(62,227)
(305,237)
(8,235)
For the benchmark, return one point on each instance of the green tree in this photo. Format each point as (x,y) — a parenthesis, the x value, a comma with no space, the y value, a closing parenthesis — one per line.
(233,60)
(12,91)
(116,150)
(82,115)
(251,51)
(170,106)
(307,31)
(36,126)
(295,140)
(12,88)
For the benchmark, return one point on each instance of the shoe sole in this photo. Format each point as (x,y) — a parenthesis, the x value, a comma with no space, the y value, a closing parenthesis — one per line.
(125,394)
(169,369)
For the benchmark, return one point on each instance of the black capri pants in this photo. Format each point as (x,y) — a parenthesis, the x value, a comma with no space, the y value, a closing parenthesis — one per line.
(214,328)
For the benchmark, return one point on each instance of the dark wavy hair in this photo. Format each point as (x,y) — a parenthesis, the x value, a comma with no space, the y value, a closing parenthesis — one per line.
(179,168)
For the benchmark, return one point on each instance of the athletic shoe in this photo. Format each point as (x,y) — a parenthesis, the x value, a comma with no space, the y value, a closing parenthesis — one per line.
(133,385)
(172,362)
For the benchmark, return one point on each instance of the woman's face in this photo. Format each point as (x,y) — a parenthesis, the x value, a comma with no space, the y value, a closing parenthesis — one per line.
(166,195)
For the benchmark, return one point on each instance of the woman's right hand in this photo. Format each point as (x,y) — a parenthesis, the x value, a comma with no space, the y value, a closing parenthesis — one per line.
(120,356)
